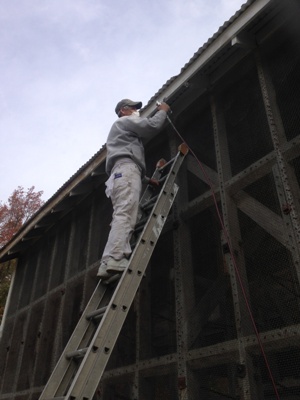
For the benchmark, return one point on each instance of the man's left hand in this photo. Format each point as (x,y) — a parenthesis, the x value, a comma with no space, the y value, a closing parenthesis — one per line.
(163,106)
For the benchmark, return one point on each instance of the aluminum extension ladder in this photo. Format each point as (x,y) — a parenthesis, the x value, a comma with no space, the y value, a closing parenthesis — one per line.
(82,363)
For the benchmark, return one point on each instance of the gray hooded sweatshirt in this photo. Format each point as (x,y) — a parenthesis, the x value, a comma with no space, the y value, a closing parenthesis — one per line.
(128,136)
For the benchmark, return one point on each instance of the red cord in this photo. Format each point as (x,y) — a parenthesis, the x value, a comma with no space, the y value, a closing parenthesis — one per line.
(208,181)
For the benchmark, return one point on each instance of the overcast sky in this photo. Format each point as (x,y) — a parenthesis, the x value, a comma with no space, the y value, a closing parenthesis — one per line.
(64,64)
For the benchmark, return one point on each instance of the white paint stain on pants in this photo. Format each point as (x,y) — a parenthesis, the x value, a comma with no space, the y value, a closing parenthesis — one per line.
(124,187)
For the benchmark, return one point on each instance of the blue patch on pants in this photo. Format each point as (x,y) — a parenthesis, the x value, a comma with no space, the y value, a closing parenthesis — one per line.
(119,175)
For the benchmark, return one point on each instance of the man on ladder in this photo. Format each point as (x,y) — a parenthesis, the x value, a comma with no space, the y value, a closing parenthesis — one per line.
(125,165)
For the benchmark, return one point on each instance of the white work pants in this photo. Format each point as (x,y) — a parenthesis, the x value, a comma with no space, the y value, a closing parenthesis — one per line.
(125,189)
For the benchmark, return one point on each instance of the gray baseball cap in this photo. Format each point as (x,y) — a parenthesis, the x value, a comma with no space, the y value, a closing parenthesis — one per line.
(127,102)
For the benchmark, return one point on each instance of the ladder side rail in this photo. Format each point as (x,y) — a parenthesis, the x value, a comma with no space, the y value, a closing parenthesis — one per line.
(148,200)
(160,175)
(150,191)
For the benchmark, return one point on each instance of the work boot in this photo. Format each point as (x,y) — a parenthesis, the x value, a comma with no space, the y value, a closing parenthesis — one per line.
(102,271)
(116,266)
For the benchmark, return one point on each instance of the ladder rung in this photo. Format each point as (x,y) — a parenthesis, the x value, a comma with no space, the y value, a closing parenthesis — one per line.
(166,164)
(77,353)
(163,178)
(133,242)
(114,278)
(139,229)
(96,314)
(140,224)
(149,203)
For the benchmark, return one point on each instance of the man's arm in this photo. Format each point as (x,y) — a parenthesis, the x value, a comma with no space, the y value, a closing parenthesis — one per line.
(147,127)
